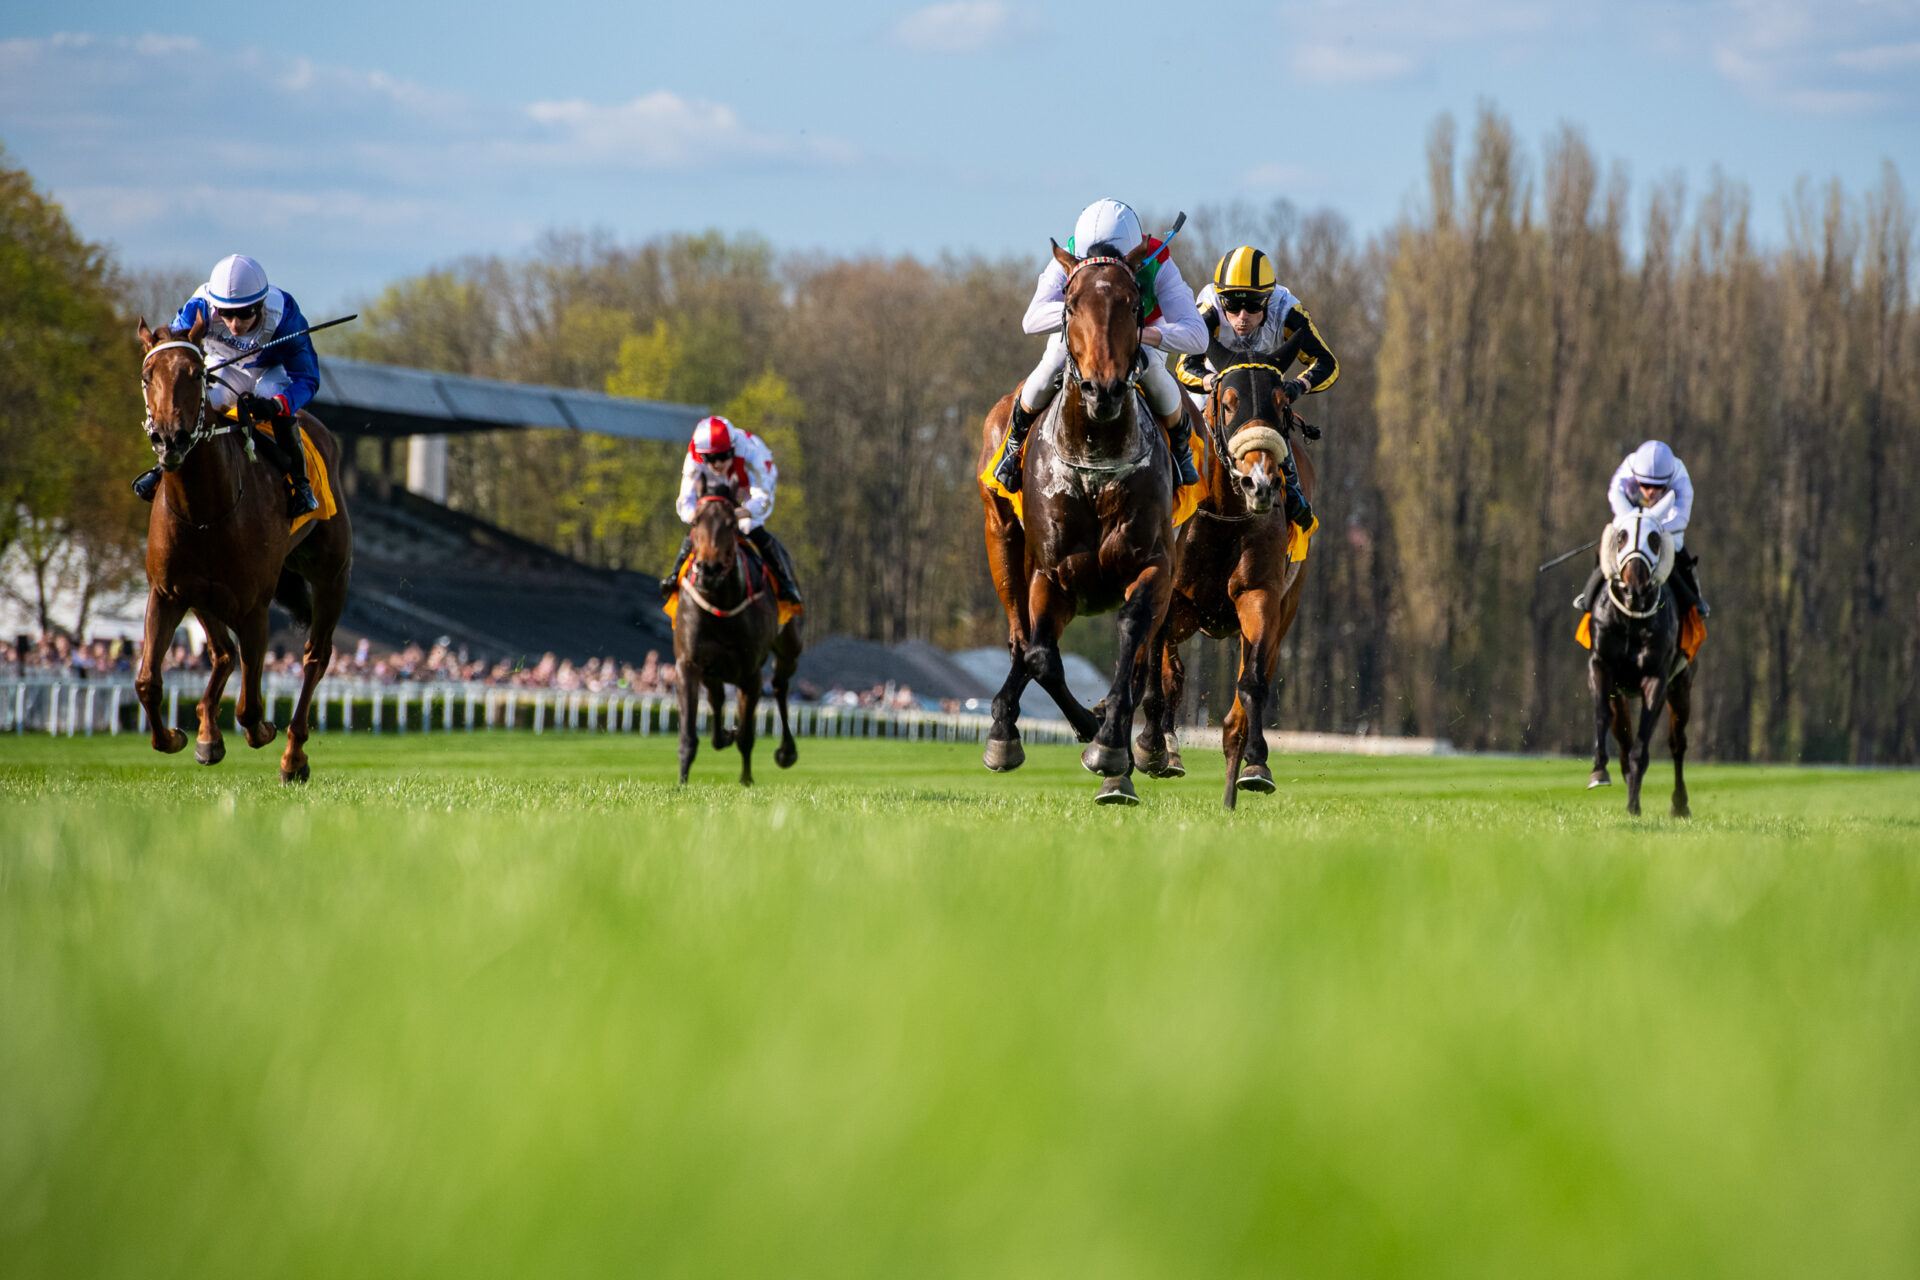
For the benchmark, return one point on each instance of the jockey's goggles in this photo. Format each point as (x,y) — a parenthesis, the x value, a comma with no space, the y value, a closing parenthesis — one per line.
(1242,303)
(239,313)
(718,458)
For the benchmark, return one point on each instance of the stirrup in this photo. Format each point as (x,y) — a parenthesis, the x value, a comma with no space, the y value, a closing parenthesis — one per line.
(1010,473)
(301,500)
(669,586)
(1580,603)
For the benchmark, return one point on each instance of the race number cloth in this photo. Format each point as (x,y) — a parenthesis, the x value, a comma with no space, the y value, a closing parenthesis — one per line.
(322,485)
(1185,501)
(787,608)
(1692,632)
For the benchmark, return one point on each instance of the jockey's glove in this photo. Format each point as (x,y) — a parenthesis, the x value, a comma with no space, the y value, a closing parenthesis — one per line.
(1295,388)
(263,409)
(745,522)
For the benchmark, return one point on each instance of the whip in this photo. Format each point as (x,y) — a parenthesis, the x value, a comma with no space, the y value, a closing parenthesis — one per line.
(1585,546)
(312,328)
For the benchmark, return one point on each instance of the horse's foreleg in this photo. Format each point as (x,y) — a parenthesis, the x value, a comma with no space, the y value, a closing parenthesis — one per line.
(1653,698)
(1679,710)
(1602,724)
(1050,610)
(743,736)
(687,685)
(717,705)
(329,600)
(163,616)
(249,711)
(1004,752)
(1150,747)
(211,748)
(786,660)
(1264,621)
(1141,615)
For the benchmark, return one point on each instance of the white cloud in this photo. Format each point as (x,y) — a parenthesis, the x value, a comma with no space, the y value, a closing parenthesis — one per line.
(659,130)
(1844,60)
(1329,64)
(1878,58)
(962,26)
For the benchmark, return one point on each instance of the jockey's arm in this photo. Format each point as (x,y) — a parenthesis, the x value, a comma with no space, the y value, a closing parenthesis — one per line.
(1620,491)
(1191,368)
(191,310)
(1323,368)
(1047,311)
(688,500)
(297,360)
(1180,328)
(1682,494)
(762,476)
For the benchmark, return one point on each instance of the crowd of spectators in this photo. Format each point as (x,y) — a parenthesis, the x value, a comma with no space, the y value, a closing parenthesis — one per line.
(58,655)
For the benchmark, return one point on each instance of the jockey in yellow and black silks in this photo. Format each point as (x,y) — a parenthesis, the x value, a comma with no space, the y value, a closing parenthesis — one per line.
(1172,324)
(1251,317)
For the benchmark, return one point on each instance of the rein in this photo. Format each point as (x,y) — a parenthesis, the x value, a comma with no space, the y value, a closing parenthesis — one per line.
(1659,602)
(203,426)
(1217,438)
(1075,379)
(706,606)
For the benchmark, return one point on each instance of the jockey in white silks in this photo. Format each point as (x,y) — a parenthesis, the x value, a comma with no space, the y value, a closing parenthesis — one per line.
(1654,481)
(723,454)
(244,313)
(1108,227)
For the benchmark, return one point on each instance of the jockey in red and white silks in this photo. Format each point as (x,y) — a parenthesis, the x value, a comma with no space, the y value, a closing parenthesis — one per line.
(723,454)
(1172,324)
(1654,481)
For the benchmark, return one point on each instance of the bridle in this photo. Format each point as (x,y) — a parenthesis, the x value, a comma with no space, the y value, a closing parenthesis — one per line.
(1217,435)
(1139,300)
(205,427)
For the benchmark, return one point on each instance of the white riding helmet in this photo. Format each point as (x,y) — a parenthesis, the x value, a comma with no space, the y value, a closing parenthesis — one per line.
(1109,221)
(237,281)
(1652,463)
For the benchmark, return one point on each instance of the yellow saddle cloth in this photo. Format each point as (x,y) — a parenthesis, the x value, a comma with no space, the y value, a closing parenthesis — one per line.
(322,485)
(1692,632)
(754,565)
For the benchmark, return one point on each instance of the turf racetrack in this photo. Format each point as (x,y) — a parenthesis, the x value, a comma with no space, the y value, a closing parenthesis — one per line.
(503,1006)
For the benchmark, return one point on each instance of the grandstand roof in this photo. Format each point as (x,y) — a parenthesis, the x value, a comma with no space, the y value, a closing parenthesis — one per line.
(386,400)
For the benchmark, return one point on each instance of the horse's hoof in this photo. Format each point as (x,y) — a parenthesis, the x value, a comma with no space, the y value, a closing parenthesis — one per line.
(1176,768)
(1151,763)
(1108,762)
(1116,791)
(264,732)
(290,776)
(722,739)
(1633,810)
(1680,810)
(1599,778)
(1003,755)
(210,752)
(746,782)
(176,741)
(1256,778)
(786,755)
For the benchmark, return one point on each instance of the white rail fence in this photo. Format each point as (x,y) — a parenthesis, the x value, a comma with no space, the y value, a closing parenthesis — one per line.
(108,706)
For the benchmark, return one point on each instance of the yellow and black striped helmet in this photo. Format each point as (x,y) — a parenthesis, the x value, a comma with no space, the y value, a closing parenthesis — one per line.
(1244,270)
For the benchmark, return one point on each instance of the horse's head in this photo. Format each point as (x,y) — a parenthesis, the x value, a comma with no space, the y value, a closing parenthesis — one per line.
(1251,413)
(173,381)
(1102,321)
(1638,554)
(716,537)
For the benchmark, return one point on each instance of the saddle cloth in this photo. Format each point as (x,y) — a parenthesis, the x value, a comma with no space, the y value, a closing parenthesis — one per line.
(322,485)
(1692,632)
(755,567)
(1185,501)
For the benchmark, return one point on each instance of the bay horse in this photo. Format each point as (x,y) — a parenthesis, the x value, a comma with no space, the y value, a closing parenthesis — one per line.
(1634,634)
(1094,531)
(219,543)
(1235,575)
(725,637)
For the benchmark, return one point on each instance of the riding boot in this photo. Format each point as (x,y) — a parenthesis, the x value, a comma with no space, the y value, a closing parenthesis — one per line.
(147,484)
(286,434)
(1299,510)
(774,553)
(1180,443)
(1584,602)
(671,583)
(1686,573)
(1009,472)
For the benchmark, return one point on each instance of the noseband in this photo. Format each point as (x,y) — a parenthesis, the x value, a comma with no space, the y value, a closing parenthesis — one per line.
(206,426)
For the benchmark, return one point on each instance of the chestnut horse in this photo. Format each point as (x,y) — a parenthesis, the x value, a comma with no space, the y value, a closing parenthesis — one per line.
(1635,637)
(725,636)
(1096,529)
(218,543)
(1234,577)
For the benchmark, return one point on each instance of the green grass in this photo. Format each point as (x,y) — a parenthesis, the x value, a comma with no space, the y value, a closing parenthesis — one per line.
(498,1006)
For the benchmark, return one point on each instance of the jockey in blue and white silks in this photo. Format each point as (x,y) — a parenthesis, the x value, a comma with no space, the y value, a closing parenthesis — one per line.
(1654,481)
(244,313)
(1172,324)
(723,454)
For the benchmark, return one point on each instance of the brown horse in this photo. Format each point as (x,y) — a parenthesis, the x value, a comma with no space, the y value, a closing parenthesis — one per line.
(725,637)
(218,543)
(1096,530)
(1234,578)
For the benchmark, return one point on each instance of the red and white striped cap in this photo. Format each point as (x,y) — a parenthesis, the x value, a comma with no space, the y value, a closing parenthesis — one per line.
(713,435)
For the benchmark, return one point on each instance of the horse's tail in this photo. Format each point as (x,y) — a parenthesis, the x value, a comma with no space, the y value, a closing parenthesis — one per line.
(295,596)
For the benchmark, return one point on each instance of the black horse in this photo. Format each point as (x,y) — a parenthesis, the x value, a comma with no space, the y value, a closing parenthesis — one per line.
(1635,638)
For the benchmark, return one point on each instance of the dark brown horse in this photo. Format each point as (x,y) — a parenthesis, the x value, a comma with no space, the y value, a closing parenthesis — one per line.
(724,626)
(1235,576)
(1635,638)
(218,543)
(1096,529)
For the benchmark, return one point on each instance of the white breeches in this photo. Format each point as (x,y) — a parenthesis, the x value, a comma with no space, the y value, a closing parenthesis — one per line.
(1155,380)
(268,382)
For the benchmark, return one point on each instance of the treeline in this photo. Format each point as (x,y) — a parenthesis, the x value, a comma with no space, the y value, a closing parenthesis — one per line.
(1500,350)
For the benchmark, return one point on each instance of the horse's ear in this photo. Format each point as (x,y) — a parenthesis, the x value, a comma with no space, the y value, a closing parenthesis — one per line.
(199,329)
(1139,254)
(1066,260)
(699,484)
(146,334)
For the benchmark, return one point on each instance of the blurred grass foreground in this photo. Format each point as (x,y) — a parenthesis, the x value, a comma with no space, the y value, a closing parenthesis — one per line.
(514,1008)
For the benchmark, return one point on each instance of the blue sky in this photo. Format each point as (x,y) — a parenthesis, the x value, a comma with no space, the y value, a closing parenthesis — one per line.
(351,143)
